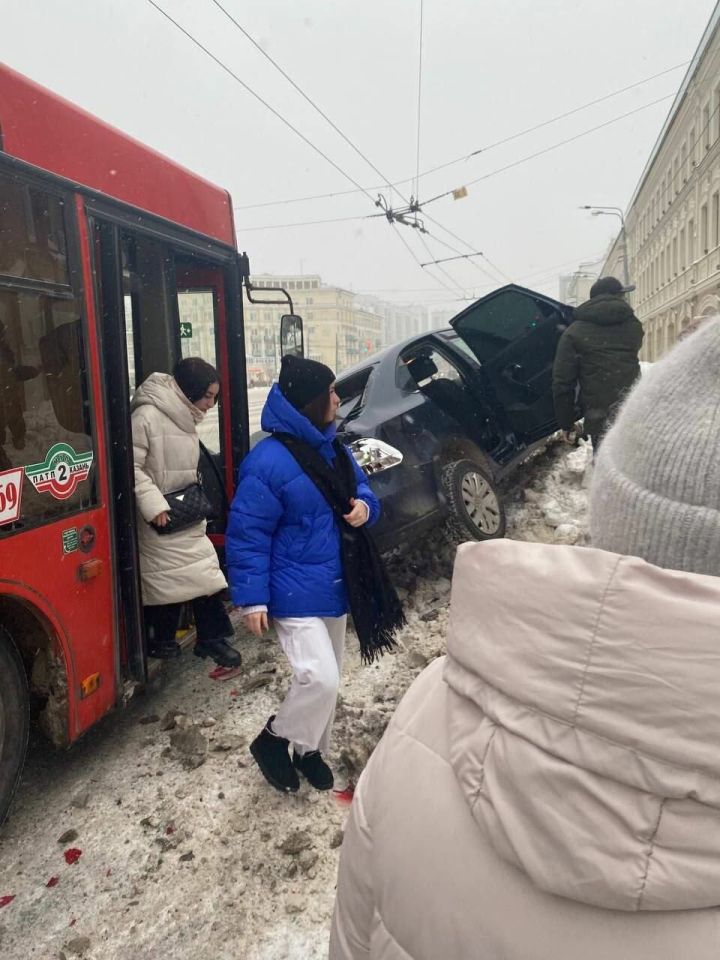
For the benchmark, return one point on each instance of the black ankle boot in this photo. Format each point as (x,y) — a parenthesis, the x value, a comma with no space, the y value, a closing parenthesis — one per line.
(317,773)
(220,651)
(271,755)
(164,651)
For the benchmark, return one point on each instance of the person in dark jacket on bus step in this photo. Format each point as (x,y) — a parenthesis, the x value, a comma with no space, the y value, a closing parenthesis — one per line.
(599,354)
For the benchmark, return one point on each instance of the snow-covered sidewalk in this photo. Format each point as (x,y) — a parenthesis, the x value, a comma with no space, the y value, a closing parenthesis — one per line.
(184,852)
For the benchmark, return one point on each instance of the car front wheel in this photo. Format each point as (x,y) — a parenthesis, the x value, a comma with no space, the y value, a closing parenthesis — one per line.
(476,510)
(14,720)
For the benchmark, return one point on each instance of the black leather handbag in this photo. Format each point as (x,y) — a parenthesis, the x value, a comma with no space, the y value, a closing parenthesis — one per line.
(187,507)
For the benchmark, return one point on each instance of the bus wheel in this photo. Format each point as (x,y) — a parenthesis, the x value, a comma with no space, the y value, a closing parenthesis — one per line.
(14,719)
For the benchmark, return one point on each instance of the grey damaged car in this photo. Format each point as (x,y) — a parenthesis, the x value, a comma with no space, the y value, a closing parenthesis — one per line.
(437,421)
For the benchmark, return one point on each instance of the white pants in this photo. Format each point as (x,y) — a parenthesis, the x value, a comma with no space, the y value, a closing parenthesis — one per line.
(314,648)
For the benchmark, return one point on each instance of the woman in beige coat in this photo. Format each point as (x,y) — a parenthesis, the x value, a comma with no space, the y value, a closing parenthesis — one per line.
(183,566)
(551,789)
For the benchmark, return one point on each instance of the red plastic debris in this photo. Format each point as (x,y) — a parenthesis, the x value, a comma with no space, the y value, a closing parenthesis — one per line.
(72,922)
(169,831)
(72,855)
(225,673)
(234,693)
(8,898)
(53,882)
(345,796)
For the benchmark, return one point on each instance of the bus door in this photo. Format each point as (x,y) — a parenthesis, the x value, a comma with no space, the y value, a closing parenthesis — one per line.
(160,303)
(205,332)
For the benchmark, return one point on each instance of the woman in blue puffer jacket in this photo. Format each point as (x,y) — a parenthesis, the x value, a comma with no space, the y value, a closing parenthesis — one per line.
(284,557)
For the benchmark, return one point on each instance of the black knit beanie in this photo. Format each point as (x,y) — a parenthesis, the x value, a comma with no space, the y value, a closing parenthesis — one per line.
(303,380)
(606,286)
(194,375)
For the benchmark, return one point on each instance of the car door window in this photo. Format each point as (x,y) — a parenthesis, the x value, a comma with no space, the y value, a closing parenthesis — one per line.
(425,364)
(514,334)
(492,324)
(352,392)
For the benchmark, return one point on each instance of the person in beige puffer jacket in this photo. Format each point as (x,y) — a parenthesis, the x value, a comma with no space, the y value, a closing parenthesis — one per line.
(178,567)
(550,790)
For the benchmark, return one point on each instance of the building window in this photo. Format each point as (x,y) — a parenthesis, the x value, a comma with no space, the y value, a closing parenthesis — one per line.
(307,284)
(675,256)
(684,156)
(682,249)
(706,131)
(715,221)
(704,228)
(691,242)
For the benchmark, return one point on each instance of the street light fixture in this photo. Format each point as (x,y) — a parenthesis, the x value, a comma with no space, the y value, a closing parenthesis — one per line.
(612,212)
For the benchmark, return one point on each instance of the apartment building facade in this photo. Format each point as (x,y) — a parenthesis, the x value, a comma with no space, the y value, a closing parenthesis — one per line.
(672,225)
(338,331)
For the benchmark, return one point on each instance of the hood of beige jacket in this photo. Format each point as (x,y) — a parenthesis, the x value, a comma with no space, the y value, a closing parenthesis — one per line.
(584,719)
(160,390)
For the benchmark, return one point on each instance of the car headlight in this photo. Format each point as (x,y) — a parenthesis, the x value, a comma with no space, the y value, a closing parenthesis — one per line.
(373,456)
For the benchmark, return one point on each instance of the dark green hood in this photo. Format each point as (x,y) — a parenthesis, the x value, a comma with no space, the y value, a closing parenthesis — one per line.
(605,310)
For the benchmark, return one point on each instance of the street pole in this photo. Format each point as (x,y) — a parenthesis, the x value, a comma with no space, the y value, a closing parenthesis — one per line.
(613,212)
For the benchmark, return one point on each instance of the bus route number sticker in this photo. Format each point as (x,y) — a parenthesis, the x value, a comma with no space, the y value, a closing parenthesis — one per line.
(60,472)
(11,482)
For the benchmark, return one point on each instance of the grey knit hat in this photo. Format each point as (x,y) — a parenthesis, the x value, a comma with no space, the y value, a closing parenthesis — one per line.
(656,484)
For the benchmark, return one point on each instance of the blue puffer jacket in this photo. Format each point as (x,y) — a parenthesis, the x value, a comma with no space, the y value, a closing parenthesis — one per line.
(283,543)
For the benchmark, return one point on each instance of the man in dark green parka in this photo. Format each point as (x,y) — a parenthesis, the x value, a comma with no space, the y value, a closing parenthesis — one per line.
(599,353)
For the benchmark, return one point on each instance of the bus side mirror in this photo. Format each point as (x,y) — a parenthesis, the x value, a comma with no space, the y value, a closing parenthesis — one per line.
(291,336)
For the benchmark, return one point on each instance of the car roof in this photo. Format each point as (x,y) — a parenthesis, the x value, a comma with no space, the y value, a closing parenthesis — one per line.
(396,348)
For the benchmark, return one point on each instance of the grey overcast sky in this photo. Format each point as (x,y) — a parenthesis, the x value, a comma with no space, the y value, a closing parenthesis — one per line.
(490,70)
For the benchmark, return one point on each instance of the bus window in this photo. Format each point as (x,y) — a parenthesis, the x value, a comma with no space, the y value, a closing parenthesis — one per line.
(197,339)
(32,233)
(150,314)
(45,429)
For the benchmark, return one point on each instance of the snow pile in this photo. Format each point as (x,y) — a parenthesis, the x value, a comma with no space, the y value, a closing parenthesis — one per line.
(182,850)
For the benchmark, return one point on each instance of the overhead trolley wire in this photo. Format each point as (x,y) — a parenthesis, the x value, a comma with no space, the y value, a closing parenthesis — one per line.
(417,260)
(312,223)
(299,90)
(491,146)
(334,126)
(260,99)
(555,146)
(419,105)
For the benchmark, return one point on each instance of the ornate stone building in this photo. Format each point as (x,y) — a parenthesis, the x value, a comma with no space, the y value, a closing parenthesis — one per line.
(672,225)
(338,331)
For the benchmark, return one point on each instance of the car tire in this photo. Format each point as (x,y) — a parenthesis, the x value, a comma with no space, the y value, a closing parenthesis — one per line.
(476,509)
(14,719)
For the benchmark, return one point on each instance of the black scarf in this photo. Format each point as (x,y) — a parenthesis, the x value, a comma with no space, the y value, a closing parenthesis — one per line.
(374,604)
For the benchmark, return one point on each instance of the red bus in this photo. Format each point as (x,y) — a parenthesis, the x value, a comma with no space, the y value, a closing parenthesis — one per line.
(114,263)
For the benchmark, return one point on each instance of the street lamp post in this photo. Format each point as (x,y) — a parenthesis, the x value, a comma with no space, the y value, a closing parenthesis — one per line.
(613,212)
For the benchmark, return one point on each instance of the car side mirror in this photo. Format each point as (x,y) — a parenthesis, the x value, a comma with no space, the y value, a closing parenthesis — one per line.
(374,456)
(291,336)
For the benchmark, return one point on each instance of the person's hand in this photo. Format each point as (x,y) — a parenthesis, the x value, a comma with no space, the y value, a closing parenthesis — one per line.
(161,519)
(358,515)
(569,436)
(257,623)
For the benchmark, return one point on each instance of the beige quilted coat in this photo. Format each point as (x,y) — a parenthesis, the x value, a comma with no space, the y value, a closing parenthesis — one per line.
(183,565)
(551,789)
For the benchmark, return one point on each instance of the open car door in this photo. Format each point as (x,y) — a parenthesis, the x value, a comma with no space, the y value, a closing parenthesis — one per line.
(513,332)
